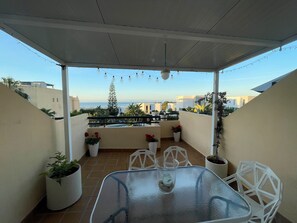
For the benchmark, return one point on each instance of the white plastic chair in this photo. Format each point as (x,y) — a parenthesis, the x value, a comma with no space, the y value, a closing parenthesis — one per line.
(142,159)
(260,187)
(178,153)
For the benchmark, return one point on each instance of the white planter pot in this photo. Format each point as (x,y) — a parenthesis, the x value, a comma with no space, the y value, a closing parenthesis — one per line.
(93,149)
(219,169)
(155,113)
(153,146)
(66,194)
(176,136)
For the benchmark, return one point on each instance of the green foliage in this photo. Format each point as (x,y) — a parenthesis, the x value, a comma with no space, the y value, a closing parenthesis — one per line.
(112,101)
(75,113)
(60,167)
(15,86)
(164,105)
(49,112)
(134,110)
(220,106)
(93,139)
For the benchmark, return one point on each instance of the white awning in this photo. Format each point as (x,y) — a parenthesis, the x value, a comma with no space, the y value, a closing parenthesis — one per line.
(201,35)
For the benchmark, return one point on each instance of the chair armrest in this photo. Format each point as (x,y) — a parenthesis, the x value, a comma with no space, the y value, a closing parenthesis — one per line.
(230,179)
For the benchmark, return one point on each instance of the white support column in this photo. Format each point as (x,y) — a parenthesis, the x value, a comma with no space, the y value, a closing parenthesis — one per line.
(214,111)
(67,123)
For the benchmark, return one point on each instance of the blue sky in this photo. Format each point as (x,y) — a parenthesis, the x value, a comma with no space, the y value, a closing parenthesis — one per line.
(23,63)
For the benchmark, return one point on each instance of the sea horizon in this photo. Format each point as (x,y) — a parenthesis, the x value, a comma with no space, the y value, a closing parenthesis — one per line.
(95,104)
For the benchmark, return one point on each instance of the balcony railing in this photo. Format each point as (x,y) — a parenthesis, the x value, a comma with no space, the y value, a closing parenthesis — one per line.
(130,120)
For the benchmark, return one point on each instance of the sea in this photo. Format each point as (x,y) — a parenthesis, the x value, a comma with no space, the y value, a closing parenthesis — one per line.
(121,105)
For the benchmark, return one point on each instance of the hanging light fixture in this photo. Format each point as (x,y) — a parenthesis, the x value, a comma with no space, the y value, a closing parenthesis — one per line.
(165,72)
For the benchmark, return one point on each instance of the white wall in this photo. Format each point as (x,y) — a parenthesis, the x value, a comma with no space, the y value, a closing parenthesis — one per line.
(265,130)
(79,125)
(26,142)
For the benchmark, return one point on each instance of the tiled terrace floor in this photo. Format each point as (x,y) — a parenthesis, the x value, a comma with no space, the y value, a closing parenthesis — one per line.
(93,172)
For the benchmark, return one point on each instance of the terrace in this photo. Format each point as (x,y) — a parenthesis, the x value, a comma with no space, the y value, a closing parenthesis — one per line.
(203,37)
(93,172)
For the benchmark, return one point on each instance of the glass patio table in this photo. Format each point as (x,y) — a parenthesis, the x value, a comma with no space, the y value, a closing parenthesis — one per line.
(199,196)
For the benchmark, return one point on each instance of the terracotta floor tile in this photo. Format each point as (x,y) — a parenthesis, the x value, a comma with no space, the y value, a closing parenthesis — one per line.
(50,218)
(71,218)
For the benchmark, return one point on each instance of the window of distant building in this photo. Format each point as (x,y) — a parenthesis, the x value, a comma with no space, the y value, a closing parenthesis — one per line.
(53,99)
(57,100)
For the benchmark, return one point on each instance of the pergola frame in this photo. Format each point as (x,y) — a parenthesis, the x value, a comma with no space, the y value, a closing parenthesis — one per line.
(204,36)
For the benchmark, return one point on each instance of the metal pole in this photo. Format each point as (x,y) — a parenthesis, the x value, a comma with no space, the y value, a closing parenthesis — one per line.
(67,122)
(214,111)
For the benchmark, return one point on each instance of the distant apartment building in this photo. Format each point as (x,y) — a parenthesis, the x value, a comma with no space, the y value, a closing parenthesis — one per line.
(238,101)
(42,96)
(146,107)
(185,101)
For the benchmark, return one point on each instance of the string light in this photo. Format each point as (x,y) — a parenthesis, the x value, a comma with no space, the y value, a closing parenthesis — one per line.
(122,80)
(150,77)
(280,49)
(171,76)
(129,78)
(37,54)
(157,79)
(98,70)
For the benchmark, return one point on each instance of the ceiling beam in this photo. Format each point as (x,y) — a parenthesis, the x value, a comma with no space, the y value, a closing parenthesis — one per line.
(136,31)
(140,67)
(30,43)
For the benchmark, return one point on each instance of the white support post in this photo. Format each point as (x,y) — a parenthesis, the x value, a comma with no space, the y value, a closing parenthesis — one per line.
(67,123)
(214,111)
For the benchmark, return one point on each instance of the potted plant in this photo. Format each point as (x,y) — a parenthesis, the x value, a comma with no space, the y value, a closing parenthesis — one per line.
(176,133)
(63,182)
(214,162)
(152,142)
(93,143)
(162,115)
(155,112)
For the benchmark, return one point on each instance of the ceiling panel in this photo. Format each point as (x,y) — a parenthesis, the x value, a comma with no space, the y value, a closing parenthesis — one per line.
(72,46)
(181,15)
(274,20)
(213,56)
(149,51)
(78,10)
(251,19)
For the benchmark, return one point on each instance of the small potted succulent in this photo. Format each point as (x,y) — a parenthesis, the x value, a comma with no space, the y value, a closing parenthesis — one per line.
(63,182)
(176,133)
(152,142)
(93,143)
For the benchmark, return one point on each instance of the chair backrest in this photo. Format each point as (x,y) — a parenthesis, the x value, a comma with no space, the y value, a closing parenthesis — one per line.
(178,153)
(258,182)
(142,159)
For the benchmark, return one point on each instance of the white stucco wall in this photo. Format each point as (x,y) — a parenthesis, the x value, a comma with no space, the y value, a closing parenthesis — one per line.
(26,142)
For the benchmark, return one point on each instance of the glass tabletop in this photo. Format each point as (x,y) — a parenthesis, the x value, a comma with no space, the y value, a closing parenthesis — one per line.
(198,196)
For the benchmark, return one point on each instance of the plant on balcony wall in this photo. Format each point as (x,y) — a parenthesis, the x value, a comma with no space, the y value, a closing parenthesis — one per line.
(63,182)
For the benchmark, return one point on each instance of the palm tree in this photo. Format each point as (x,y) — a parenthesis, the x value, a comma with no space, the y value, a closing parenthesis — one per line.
(15,86)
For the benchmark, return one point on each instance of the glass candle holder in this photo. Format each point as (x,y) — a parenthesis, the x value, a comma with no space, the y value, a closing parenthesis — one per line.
(166,173)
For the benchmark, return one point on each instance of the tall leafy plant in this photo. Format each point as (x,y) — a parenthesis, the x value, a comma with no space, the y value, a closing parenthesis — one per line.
(220,106)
